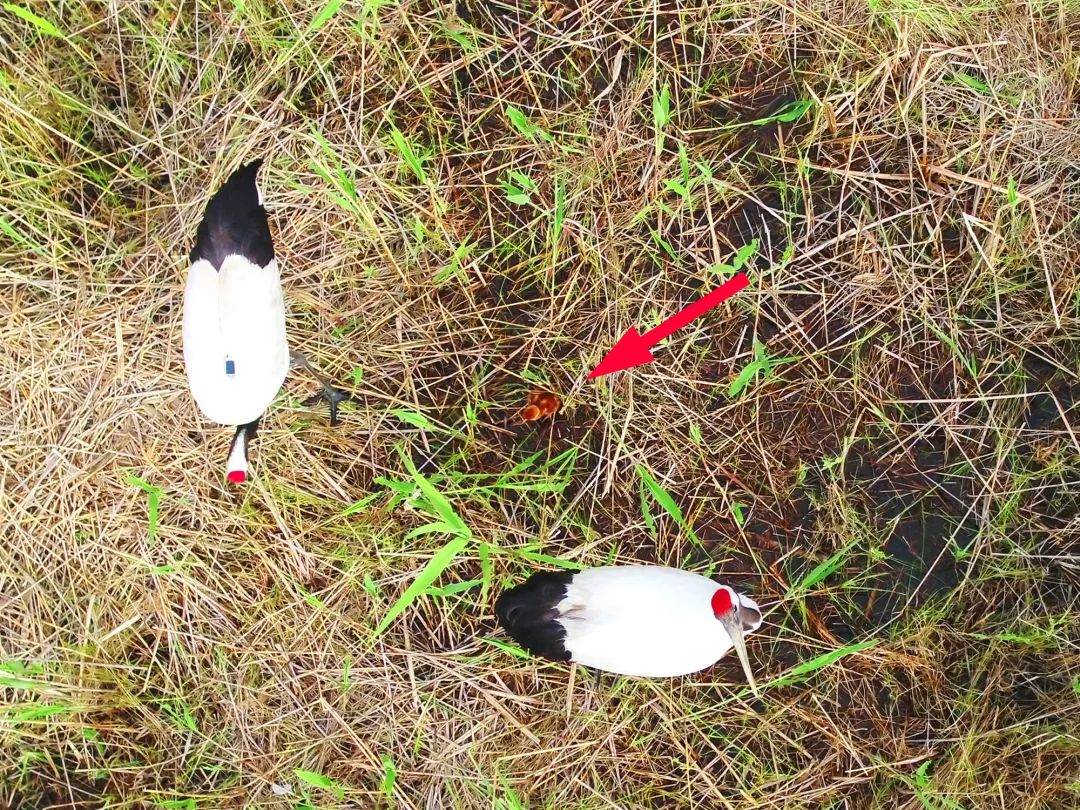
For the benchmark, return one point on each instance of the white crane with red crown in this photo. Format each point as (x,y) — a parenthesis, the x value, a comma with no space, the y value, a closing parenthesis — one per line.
(642,620)
(236,354)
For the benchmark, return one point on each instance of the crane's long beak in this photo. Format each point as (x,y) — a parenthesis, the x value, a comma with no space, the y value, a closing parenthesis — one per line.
(734,628)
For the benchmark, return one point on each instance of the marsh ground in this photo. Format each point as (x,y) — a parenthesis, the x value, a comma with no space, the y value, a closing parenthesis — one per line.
(471,201)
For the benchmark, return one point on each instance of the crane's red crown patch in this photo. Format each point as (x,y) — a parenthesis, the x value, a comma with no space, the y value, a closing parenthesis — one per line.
(721,602)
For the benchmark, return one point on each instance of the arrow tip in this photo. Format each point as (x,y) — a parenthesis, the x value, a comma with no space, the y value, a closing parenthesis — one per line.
(630,350)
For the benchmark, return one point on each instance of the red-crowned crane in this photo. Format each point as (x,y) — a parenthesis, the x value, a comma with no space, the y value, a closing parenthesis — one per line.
(642,620)
(235,351)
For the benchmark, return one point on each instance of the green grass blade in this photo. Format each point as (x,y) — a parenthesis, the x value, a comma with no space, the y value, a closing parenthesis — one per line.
(559,215)
(461,39)
(665,500)
(744,254)
(519,120)
(153,504)
(424,580)
(801,671)
(40,23)
(1012,193)
(744,377)
(525,181)
(361,504)
(677,187)
(389,776)
(820,572)
(968,364)
(522,124)
(454,588)
(323,17)
(408,154)
(662,107)
(414,418)
(509,649)
(535,556)
(439,504)
(439,527)
(486,572)
(316,779)
(789,114)
(646,512)
(975,84)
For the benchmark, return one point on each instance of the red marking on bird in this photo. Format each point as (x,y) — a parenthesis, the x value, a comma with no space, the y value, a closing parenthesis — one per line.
(721,602)
(237,476)
(634,349)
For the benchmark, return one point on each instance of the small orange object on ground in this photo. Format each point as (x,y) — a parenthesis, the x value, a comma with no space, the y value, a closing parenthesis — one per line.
(540,404)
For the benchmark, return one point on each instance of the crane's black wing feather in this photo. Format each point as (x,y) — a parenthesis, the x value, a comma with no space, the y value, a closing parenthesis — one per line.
(235,223)
(528,613)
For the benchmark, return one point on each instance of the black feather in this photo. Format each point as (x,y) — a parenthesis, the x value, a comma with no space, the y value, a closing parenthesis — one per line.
(235,223)
(251,428)
(528,613)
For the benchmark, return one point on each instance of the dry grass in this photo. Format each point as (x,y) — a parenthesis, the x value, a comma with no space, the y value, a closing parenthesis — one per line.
(900,489)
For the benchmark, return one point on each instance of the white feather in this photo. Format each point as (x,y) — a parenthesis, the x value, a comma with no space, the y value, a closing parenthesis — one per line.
(237,313)
(647,621)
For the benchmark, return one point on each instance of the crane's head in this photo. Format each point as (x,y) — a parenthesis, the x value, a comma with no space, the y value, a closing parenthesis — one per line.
(238,452)
(739,615)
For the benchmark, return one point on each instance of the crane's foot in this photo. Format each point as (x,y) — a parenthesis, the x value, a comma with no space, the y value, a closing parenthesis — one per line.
(332,396)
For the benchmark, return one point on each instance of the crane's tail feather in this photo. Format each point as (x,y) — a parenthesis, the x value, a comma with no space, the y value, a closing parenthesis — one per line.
(528,613)
(235,222)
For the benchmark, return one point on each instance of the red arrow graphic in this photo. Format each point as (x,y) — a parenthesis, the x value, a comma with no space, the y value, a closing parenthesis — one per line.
(634,349)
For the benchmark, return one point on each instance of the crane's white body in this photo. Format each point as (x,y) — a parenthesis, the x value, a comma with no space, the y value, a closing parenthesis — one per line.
(234,313)
(647,621)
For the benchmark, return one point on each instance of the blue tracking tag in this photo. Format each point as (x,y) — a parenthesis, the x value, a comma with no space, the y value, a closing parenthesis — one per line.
(230,367)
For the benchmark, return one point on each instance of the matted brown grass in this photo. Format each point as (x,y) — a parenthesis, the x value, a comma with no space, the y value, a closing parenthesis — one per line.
(900,489)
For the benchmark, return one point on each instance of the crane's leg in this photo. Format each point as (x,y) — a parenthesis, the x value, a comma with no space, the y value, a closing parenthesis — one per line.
(333,396)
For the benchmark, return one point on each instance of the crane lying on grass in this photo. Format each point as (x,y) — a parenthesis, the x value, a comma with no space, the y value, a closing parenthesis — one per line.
(235,350)
(642,620)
